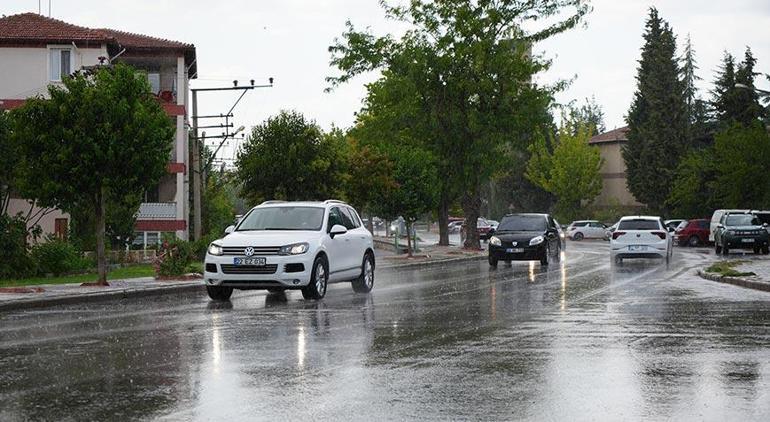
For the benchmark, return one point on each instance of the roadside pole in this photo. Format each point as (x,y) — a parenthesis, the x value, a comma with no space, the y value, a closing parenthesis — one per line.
(196,170)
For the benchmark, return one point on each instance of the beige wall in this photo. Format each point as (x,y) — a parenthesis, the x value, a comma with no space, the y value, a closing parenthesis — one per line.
(47,223)
(613,171)
(25,71)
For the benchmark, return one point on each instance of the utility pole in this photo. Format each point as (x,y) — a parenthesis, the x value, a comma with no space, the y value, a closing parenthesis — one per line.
(197,147)
(196,171)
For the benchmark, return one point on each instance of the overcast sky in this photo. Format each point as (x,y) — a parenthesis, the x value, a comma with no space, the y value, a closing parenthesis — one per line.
(288,40)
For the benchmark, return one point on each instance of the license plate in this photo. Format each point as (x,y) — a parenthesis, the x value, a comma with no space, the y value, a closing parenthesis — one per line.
(747,240)
(514,250)
(257,262)
(637,248)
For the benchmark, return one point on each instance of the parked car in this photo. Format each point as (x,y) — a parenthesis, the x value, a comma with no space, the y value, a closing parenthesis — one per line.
(641,237)
(674,224)
(763,216)
(586,229)
(692,233)
(716,218)
(741,231)
(525,237)
(484,229)
(493,224)
(292,245)
(611,229)
(455,226)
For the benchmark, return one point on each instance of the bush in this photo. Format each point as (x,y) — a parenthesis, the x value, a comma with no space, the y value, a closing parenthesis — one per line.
(200,246)
(57,257)
(14,261)
(174,258)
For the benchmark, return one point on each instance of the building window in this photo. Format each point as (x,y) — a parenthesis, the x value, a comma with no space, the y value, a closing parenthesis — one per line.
(61,63)
(60,228)
(154,79)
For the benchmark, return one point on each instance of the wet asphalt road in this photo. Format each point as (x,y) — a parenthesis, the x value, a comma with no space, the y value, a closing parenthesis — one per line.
(579,341)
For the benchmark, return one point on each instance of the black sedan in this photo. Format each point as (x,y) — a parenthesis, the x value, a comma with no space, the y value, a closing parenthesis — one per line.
(525,237)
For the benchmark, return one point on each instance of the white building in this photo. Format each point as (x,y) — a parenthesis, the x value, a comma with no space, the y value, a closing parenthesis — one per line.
(36,51)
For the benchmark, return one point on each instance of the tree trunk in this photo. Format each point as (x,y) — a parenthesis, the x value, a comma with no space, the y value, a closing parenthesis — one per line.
(101,228)
(443,221)
(409,238)
(471,203)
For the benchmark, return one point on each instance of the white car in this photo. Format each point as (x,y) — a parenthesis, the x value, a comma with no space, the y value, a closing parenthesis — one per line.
(641,237)
(586,229)
(292,245)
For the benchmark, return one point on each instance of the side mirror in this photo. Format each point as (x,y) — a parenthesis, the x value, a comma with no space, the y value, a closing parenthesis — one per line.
(229,229)
(337,229)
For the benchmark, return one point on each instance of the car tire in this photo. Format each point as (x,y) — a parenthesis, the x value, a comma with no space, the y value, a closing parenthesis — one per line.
(756,250)
(725,250)
(717,248)
(319,280)
(765,250)
(577,236)
(546,256)
(365,282)
(693,241)
(618,260)
(492,261)
(219,293)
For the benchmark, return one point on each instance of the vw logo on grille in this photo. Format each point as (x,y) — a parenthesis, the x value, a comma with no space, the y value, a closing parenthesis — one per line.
(514,243)
(248,251)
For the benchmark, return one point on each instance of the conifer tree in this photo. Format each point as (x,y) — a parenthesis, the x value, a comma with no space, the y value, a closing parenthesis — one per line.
(657,118)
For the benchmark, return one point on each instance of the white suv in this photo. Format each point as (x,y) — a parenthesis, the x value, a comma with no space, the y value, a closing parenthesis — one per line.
(292,245)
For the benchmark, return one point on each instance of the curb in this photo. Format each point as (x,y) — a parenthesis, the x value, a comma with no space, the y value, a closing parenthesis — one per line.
(736,281)
(31,303)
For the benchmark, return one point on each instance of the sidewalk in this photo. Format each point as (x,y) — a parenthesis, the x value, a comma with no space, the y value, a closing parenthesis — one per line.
(760,281)
(60,294)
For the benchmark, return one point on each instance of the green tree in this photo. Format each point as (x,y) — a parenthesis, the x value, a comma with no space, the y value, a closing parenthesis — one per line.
(218,203)
(590,113)
(657,118)
(742,161)
(693,191)
(570,172)
(369,177)
(289,157)
(100,139)
(461,80)
(415,176)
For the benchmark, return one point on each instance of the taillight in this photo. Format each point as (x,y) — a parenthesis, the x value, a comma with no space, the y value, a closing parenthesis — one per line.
(661,235)
(617,234)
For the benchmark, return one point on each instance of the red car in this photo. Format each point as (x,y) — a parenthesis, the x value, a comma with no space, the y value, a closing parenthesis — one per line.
(693,233)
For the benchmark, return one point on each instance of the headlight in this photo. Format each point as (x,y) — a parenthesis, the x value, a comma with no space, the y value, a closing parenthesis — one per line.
(536,240)
(495,241)
(295,249)
(215,249)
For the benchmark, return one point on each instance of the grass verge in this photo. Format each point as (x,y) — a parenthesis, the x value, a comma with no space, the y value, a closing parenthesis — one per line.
(142,270)
(727,269)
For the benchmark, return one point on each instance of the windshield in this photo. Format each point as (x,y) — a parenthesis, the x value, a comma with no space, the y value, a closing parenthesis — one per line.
(283,218)
(522,223)
(741,220)
(639,225)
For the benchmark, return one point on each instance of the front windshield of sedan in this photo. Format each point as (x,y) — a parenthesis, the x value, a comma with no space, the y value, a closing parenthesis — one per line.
(740,220)
(283,218)
(522,223)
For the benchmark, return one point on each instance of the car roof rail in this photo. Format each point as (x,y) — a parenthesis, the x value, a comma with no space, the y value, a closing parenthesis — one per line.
(334,201)
(274,201)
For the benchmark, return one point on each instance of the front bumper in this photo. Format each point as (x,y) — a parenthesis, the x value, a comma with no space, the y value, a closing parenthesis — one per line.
(286,271)
(745,242)
(529,253)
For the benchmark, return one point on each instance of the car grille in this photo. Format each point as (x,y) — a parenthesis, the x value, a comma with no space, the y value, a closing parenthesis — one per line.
(258,250)
(248,269)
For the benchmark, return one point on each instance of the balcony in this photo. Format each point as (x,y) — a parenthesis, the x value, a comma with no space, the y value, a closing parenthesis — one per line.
(157,211)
